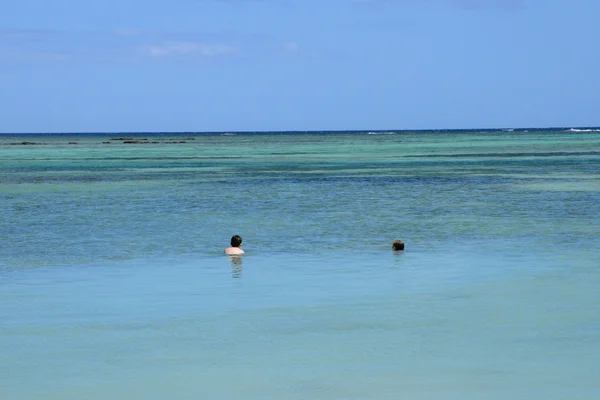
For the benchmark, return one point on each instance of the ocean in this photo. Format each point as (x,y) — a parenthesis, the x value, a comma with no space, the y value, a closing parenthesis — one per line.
(114,285)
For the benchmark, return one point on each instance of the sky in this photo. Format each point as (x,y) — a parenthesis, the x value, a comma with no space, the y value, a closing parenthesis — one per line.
(275,65)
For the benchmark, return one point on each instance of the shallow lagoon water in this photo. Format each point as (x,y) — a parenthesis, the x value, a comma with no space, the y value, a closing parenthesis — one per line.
(113,284)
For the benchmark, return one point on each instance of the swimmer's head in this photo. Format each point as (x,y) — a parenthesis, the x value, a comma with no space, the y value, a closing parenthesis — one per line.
(398,245)
(236,241)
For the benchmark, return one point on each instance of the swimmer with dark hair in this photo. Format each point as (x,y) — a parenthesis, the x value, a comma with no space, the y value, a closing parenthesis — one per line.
(236,243)
(398,245)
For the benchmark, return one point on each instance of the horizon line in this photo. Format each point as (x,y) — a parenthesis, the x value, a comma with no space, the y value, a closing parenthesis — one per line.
(301,131)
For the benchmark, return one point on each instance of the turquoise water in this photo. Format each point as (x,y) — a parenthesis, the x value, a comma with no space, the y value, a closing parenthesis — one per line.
(113,283)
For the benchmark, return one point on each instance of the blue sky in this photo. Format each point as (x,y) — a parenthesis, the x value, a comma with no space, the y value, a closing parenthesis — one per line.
(240,65)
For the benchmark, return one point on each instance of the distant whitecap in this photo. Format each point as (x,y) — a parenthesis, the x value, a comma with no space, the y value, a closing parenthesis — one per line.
(584,130)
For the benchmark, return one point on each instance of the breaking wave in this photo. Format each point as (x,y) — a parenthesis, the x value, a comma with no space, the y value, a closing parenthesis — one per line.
(584,130)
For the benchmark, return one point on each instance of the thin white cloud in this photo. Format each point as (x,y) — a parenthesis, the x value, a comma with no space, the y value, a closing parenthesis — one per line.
(32,56)
(128,32)
(291,46)
(512,5)
(463,4)
(29,35)
(119,44)
(188,48)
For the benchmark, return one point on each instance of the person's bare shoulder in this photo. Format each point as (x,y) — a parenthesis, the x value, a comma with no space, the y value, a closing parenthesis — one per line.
(234,250)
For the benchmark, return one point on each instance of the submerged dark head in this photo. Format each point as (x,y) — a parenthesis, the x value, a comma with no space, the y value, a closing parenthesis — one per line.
(236,241)
(398,245)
